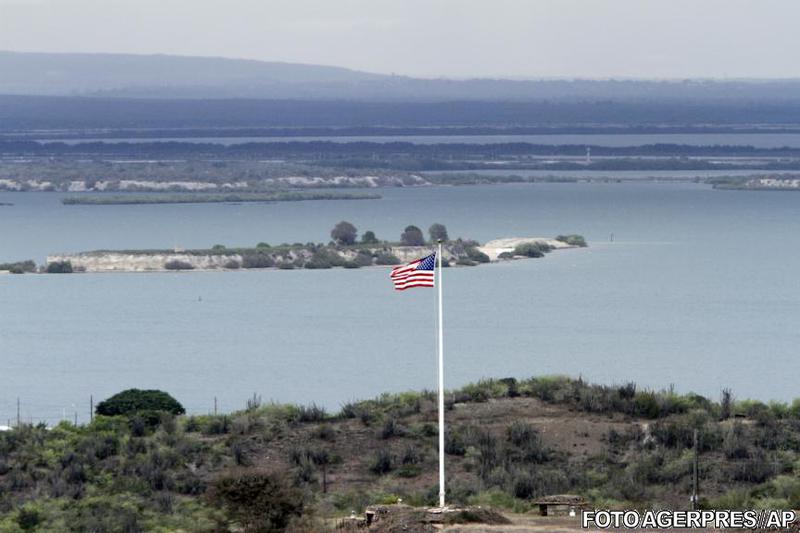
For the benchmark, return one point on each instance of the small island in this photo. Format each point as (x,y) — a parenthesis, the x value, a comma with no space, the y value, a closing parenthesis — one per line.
(345,250)
(205,198)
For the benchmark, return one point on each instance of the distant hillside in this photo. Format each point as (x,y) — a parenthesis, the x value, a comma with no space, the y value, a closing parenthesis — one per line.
(163,76)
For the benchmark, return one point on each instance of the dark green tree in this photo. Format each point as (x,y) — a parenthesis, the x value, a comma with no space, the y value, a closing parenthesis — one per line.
(135,400)
(369,237)
(412,236)
(59,267)
(344,233)
(438,232)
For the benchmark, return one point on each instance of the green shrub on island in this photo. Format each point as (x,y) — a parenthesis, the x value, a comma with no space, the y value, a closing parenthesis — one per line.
(344,233)
(533,249)
(362,259)
(132,401)
(573,240)
(19,267)
(505,255)
(59,267)
(257,260)
(465,261)
(177,264)
(323,258)
(412,236)
(369,238)
(476,255)
(386,258)
(263,245)
(438,232)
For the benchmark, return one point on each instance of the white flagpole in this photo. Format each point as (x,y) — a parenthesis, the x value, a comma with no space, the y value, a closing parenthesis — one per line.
(441,382)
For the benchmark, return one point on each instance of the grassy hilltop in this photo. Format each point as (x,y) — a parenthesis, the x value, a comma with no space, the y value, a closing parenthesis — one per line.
(509,441)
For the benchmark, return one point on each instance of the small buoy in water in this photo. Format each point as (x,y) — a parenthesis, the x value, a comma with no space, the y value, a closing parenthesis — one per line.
(199,298)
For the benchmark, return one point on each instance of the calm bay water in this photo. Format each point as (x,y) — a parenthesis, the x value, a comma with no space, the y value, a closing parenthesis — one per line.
(698,289)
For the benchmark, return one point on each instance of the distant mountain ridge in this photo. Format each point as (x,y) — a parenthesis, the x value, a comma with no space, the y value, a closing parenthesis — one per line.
(165,76)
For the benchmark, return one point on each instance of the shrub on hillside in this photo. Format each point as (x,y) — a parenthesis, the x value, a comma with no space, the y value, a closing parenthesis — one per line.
(134,400)
(257,500)
(382,463)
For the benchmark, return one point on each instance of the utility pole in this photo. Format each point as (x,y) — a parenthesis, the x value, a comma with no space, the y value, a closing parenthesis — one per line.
(17,411)
(215,406)
(91,408)
(694,475)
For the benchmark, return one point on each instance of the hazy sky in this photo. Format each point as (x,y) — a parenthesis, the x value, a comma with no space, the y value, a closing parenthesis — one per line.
(454,38)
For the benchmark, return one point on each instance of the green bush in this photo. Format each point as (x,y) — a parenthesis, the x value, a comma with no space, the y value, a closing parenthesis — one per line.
(532,249)
(176,264)
(387,259)
(412,236)
(323,258)
(438,232)
(572,240)
(476,255)
(134,400)
(344,233)
(20,267)
(382,463)
(257,260)
(369,237)
(59,267)
(258,501)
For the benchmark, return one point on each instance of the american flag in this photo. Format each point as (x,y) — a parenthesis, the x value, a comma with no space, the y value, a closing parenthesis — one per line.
(419,273)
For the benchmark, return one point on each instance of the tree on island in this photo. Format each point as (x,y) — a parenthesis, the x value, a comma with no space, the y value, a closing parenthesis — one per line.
(412,236)
(369,237)
(438,232)
(344,233)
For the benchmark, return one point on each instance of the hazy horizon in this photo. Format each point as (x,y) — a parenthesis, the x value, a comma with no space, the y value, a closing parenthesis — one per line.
(512,39)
